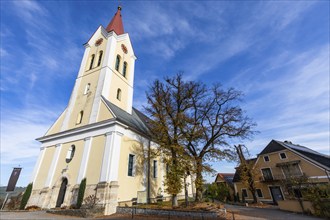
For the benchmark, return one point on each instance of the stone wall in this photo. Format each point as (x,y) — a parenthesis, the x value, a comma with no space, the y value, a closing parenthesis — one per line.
(168,213)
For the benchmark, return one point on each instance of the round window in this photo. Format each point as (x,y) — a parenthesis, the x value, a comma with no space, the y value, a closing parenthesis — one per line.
(70,153)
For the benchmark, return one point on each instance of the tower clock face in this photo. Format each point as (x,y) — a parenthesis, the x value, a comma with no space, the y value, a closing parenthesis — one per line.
(124,48)
(98,42)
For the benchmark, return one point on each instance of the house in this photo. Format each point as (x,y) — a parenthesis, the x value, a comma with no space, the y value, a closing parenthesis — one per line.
(100,136)
(227,180)
(279,162)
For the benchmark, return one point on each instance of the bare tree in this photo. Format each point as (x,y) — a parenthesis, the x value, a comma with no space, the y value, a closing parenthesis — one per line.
(189,118)
(167,105)
(246,170)
(214,120)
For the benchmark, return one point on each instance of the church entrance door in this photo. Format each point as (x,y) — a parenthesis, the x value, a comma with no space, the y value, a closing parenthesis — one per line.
(61,193)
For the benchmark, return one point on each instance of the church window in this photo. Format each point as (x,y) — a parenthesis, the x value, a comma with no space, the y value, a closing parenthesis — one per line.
(131,160)
(155,169)
(124,69)
(80,116)
(117,62)
(87,88)
(119,94)
(100,58)
(92,61)
(70,153)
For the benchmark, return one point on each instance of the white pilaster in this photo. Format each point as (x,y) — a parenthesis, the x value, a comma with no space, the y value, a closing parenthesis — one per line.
(84,160)
(108,63)
(97,97)
(106,157)
(37,166)
(53,165)
(115,156)
(73,97)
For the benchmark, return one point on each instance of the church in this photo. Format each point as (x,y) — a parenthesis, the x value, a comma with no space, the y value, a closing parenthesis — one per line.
(100,136)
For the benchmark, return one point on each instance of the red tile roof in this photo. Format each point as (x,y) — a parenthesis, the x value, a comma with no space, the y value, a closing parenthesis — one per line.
(116,24)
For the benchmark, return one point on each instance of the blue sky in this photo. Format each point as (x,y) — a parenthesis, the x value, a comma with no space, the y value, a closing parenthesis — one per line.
(276,52)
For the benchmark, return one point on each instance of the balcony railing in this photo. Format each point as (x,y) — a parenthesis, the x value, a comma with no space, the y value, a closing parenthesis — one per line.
(279,177)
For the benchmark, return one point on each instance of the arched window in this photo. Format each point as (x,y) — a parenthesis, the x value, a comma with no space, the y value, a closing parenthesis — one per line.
(92,61)
(117,62)
(87,88)
(70,153)
(119,94)
(80,116)
(100,58)
(124,69)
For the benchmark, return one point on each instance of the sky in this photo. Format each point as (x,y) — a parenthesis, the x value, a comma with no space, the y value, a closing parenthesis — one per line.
(275,52)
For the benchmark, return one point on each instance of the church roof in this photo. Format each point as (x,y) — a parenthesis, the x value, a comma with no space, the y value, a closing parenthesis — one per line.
(137,120)
(116,24)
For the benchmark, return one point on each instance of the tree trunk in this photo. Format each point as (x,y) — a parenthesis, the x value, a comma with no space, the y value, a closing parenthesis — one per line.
(185,190)
(174,200)
(199,180)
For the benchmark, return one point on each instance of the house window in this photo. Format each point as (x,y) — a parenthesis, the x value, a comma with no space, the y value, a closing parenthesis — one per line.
(87,88)
(80,116)
(267,174)
(119,94)
(117,62)
(259,193)
(131,159)
(124,69)
(291,170)
(282,156)
(70,153)
(155,169)
(266,158)
(244,193)
(100,58)
(92,61)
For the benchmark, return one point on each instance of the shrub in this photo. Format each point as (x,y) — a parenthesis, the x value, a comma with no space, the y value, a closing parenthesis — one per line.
(26,196)
(14,202)
(32,208)
(81,192)
(90,201)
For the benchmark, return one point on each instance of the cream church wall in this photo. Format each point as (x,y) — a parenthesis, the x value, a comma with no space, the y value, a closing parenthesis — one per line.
(45,164)
(95,160)
(104,113)
(73,166)
(129,185)
(56,127)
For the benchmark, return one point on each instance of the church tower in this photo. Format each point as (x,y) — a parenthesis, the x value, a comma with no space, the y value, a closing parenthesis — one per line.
(99,137)
(106,70)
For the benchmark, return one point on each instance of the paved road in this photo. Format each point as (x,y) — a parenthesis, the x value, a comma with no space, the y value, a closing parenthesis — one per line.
(250,213)
(240,213)
(33,215)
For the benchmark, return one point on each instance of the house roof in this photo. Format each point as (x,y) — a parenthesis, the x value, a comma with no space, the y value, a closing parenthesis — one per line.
(305,152)
(116,24)
(137,120)
(237,176)
(228,177)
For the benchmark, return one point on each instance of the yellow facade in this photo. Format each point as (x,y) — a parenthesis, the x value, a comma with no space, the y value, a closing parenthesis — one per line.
(303,166)
(45,164)
(94,161)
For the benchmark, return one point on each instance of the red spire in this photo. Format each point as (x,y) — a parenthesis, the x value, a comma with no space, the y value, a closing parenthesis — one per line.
(116,24)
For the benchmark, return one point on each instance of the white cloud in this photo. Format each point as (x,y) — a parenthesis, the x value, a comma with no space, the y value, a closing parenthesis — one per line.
(19,129)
